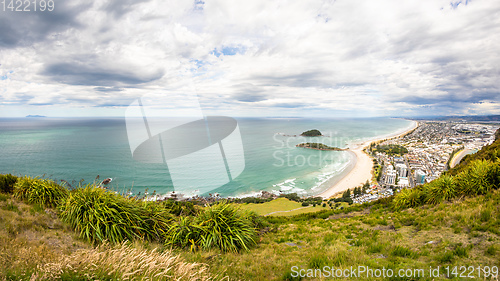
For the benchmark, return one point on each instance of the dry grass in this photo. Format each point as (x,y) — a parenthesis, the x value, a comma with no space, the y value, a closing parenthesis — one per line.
(36,245)
(31,235)
(123,262)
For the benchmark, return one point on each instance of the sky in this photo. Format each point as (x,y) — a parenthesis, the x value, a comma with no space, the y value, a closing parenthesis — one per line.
(259,58)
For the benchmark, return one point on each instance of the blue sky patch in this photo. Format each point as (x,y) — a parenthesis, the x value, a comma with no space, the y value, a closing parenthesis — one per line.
(455,4)
(228,51)
(6,76)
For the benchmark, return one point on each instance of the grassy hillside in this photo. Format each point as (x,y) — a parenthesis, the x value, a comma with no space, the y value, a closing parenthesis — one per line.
(50,233)
(36,245)
(462,232)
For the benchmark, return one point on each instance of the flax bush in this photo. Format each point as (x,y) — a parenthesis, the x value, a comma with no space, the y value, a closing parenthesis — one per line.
(43,192)
(100,215)
(221,226)
(440,190)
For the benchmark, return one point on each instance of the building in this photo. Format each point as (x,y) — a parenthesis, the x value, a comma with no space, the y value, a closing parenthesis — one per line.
(390,176)
(403,182)
(419,177)
(402,170)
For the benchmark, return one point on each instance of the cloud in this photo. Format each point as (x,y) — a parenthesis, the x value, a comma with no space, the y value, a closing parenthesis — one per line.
(259,57)
(84,74)
(27,28)
(122,7)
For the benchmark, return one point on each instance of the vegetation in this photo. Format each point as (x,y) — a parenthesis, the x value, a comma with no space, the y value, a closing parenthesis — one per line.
(391,149)
(122,262)
(283,207)
(7,183)
(36,245)
(452,221)
(463,231)
(44,192)
(255,200)
(311,133)
(318,146)
(98,215)
(220,226)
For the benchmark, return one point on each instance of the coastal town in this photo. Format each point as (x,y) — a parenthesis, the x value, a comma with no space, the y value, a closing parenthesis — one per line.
(422,155)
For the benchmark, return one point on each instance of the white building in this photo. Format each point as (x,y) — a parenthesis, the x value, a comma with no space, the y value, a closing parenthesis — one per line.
(402,170)
(390,176)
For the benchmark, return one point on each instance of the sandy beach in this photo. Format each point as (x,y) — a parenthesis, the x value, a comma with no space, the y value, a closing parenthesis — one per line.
(362,170)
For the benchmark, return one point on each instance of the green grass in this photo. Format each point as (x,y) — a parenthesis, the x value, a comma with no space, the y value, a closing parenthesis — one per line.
(424,236)
(281,207)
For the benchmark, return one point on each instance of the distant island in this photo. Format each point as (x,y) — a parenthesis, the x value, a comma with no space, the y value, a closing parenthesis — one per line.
(311,133)
(36,116)
(318,146)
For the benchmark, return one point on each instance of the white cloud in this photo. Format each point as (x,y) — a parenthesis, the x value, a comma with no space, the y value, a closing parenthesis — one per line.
(304,58)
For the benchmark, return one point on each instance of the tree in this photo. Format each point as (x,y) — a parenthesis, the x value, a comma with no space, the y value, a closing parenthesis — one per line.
(347,194)
(367,184)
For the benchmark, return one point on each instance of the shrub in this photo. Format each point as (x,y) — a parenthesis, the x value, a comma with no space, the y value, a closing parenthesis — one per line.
(184,233)
(408,198)
(178,208)
(44,192)
(226,228)
(100,215)
(220,226)
(292,197)
(440,190)
(479,177)
(258,221)
(7,183)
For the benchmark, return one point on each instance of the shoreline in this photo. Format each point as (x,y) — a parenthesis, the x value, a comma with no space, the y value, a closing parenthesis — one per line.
(363,167)
(459,156)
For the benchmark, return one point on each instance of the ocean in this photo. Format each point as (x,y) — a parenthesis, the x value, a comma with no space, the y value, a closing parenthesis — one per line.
(80,149)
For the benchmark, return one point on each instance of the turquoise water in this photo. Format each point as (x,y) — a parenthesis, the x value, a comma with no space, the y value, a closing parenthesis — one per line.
(75,149)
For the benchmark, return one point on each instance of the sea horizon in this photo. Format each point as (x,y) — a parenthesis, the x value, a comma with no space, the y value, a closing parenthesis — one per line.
(78,148)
